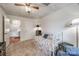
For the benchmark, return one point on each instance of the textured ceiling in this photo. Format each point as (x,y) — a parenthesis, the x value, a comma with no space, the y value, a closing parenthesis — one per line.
(11,9)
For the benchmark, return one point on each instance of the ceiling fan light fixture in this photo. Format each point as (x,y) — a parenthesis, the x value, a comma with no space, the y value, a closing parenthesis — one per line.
(28,9)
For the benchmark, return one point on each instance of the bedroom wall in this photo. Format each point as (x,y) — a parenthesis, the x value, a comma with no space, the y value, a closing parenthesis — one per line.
(2,13)
(27,26)
(55,23)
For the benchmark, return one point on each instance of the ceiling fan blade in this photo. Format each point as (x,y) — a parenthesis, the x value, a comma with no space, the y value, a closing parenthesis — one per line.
(35,7)
(27,4)
(19,4)
(46,4)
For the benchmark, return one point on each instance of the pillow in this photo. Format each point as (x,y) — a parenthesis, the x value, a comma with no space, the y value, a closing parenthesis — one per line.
(72,50)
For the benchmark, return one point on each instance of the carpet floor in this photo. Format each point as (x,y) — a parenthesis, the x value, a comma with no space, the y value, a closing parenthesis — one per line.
(25,48)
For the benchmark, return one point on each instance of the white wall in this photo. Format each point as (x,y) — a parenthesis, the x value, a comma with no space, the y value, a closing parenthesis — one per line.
(2,13)
(55,22)
(27,26)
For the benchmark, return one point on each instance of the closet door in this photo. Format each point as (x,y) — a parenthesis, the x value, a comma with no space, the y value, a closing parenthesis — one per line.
(78,36)
(69,35)
(1,29)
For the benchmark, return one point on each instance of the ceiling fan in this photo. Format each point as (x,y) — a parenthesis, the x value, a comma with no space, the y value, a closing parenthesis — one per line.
(28,6)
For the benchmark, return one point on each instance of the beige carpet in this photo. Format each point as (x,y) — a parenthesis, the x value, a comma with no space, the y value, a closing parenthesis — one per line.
(25,48)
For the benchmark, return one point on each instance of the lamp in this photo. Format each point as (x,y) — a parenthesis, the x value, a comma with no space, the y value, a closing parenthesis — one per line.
(37,28)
